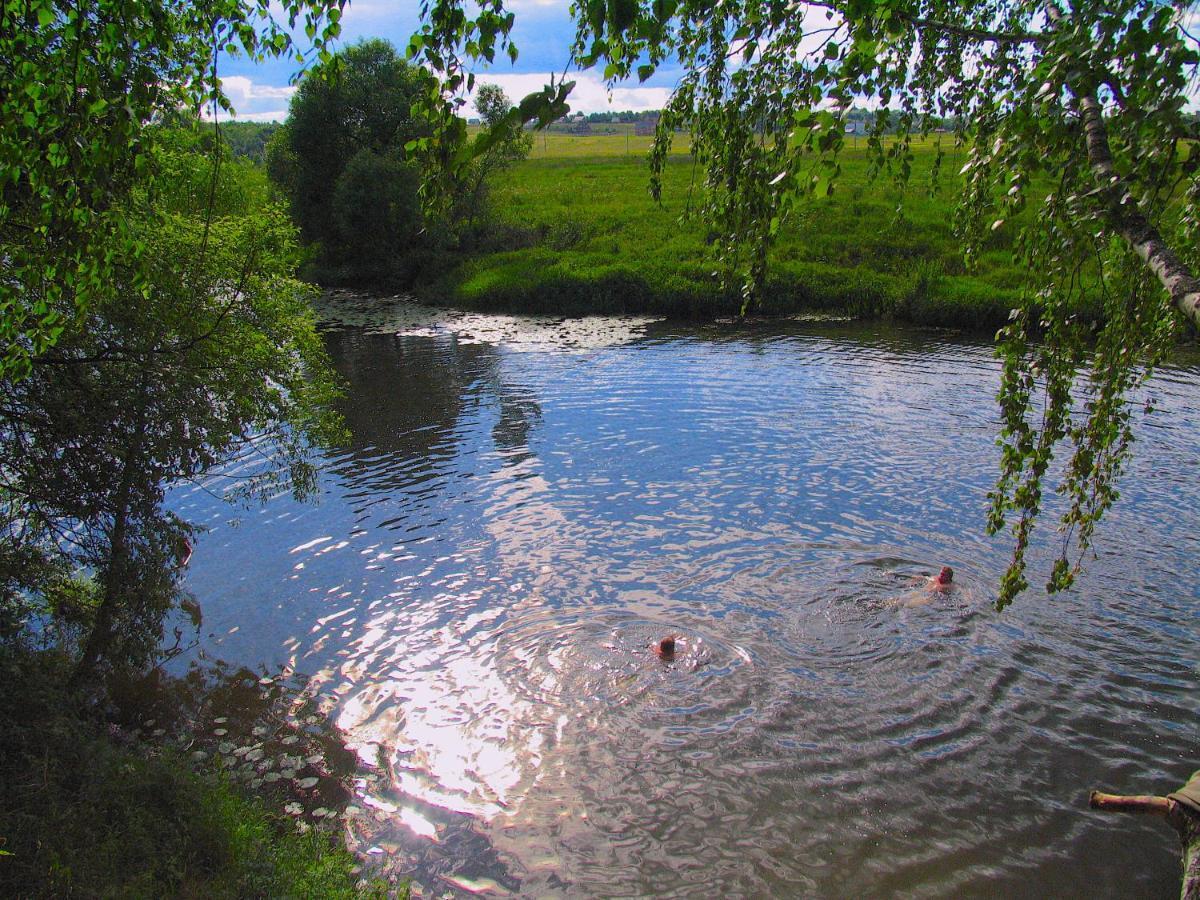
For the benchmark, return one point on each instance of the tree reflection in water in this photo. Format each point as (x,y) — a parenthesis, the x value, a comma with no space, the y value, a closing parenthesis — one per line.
(414,399)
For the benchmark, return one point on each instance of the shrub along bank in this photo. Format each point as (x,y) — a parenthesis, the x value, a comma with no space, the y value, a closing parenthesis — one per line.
(86,810)
(579,233)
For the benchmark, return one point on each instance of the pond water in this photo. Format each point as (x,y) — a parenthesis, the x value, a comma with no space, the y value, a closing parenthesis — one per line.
(527,505)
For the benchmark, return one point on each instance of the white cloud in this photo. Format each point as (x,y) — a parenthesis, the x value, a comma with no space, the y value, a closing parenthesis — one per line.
(590,94)
(268,115)
(256,102)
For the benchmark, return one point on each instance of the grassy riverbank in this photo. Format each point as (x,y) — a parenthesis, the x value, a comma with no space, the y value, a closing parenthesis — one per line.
(88,811)
(579,233)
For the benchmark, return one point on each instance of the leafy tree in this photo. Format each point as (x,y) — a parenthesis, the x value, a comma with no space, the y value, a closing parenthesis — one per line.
(348,124)
(204,354)
(81,81)
(1074,110)
(510,144)
(375,214)
(493,107)
(248,139)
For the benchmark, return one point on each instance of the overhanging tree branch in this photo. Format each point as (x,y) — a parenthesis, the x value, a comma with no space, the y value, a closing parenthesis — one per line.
(1125,215)
(1180,810)
(965,31)
(1129,221)
(975,34)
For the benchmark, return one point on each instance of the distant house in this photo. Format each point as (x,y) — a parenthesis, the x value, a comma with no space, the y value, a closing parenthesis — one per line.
(646,127)
(574,123)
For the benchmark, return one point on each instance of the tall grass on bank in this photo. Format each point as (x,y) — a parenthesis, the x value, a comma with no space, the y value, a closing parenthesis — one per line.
(578,232)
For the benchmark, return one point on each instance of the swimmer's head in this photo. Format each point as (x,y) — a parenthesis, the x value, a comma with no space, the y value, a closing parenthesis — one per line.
(666,647)
(946,575)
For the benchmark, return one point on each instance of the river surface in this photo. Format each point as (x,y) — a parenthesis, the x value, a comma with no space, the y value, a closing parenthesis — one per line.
(526,505)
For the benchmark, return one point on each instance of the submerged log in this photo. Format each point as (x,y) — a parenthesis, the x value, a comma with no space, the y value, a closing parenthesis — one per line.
(1181,809)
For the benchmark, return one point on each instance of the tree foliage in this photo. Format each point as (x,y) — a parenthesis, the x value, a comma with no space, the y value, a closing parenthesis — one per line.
(508,143)
(340,160)
(248,139)
(81,82)
(1072,118)
(202,355)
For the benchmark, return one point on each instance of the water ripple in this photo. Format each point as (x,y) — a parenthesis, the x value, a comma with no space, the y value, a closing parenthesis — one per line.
(528,506)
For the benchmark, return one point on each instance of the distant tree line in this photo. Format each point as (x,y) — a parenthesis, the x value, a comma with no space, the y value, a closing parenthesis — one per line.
(860,116)
(248,140)
(628,116)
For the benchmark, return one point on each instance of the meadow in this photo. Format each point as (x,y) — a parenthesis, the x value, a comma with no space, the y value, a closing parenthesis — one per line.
(577,231)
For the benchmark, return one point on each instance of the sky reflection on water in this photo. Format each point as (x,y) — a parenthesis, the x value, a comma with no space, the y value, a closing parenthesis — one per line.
(525,509)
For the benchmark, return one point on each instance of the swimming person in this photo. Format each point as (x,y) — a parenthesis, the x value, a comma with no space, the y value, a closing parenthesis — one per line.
(943,581)
(665,649)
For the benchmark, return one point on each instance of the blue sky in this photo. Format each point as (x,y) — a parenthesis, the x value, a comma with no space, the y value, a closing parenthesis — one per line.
(543,34)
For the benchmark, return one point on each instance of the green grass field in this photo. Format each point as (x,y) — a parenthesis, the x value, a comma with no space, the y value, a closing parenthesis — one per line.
(578,232)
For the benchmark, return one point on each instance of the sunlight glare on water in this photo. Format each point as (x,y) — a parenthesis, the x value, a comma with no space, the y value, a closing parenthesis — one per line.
(527,506)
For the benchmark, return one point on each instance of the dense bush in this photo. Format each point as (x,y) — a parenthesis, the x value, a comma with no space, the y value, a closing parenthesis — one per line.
(375,220)
(85,812)
(340,160)
(210,348)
